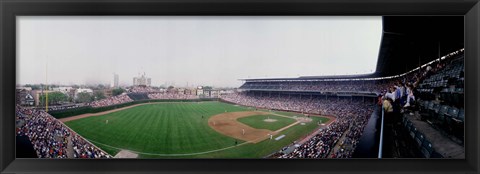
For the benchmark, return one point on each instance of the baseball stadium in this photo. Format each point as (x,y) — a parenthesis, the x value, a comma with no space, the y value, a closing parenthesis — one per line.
(410,107)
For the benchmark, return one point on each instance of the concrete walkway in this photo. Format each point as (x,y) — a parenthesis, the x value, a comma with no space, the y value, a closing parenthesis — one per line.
(70,147)
(338,145)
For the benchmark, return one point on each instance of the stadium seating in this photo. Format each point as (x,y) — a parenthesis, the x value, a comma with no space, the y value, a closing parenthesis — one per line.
(419,138)
(413,131)
(450,115)
(458,124)
(435,107)
(138,96)
(441,96)
(440,118)
(427,149)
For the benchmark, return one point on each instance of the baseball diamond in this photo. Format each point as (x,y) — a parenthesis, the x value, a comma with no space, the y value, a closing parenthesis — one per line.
(191,129)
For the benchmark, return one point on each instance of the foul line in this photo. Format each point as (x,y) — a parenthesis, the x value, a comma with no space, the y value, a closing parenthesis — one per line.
(183,154)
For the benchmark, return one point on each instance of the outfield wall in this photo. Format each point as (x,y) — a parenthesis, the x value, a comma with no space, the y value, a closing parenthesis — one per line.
(89,109)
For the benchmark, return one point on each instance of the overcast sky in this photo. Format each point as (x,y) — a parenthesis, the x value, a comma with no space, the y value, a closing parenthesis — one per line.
(214,51)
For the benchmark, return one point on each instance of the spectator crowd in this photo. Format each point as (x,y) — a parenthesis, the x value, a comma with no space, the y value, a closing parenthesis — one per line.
(119,99)
(83,149)
(168,95)
(63,107)
(351,118)
(50,137)
(140,89)
(371,86)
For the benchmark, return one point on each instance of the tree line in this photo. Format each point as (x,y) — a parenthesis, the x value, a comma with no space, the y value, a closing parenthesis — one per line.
(55,98)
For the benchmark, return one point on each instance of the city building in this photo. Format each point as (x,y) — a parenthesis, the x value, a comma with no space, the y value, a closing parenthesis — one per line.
(81,90)
(199,91)
(64,90)
(24,97)
(108,92)
(142,81)
(115,81)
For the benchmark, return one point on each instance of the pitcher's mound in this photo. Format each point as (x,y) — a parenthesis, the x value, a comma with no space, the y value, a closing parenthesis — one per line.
(270,120)
(125,154)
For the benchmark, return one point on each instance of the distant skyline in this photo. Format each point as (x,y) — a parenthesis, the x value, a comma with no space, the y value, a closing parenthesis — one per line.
(181,50)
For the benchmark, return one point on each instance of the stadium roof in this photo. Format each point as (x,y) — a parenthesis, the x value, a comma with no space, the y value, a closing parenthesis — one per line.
(408,42)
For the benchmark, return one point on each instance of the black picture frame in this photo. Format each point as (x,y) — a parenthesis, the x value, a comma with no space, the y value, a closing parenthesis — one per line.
(9,9)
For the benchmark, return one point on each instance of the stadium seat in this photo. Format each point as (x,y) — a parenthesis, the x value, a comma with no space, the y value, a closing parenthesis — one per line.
(426,104)
(430,110)
(409,125)
(450,115)
(413,131)
(458,97)
(441,115)
(434,111)
(460,83)
(458,129)
(419,137)
(421,103)
(444,93)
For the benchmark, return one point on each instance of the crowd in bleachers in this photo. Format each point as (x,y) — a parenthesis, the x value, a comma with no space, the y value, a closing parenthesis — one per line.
(141,89)
(83,149)
(349,143)
(372,86)
(49,136)
(119,99)
(131,96)
(63,107)
(168,95)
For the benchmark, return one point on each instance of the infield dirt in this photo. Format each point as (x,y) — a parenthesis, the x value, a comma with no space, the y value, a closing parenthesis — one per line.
(227,124)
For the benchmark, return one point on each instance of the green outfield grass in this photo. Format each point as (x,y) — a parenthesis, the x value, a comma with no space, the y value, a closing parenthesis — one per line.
(257,121)
(177,130)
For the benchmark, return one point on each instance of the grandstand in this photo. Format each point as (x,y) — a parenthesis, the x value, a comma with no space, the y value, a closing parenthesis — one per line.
(431,127)
(439,101)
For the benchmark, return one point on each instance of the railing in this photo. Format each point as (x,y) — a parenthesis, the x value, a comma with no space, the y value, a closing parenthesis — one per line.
(380,146)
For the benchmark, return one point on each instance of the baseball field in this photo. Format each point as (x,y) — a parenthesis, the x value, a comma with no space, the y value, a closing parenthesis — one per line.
(193,130)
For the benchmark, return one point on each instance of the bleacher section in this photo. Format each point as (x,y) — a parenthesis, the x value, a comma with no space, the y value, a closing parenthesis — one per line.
(319,85)
(427,140)
(448,81)
(437,124)
(138,96)
(443,105)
